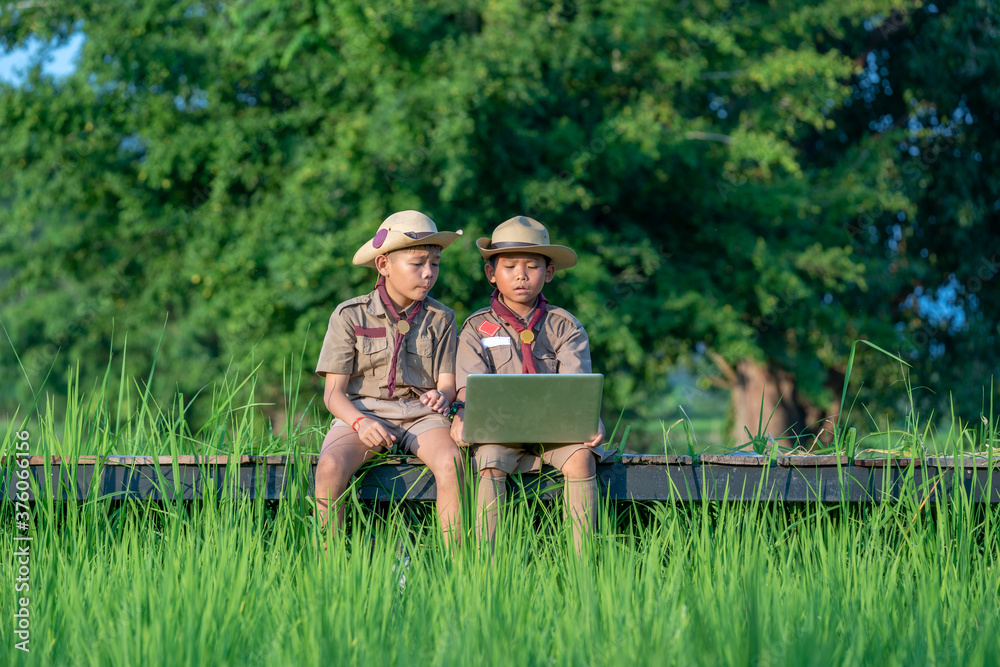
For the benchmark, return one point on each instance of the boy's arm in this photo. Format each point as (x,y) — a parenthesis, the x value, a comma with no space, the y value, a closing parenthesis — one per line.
(458,421)
(469,360)
(338,352)
(441,397)
(573,356)
(371,431)
(573,352)
(446,385)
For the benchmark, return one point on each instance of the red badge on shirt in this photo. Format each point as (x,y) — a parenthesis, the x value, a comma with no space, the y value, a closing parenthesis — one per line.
(488,328)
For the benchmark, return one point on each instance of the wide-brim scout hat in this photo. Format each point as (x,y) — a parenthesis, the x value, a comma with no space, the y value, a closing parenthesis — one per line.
(403,230)
(522,234)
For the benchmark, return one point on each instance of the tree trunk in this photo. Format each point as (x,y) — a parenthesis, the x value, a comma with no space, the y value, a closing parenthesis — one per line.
(788,417)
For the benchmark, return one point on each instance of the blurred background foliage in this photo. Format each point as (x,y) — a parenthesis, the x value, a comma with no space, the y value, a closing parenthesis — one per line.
(751,187)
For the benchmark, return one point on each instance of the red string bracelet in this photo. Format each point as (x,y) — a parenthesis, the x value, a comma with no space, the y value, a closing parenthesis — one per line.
(355,424)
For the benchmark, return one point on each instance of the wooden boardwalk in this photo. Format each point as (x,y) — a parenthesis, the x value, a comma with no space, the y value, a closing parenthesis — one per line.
(738,477)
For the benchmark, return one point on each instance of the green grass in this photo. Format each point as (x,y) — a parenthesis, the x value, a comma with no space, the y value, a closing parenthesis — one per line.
(241,583)
(119,415)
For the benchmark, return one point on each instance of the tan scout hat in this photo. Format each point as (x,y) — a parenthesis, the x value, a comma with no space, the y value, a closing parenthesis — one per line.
(403,230)
(522,234)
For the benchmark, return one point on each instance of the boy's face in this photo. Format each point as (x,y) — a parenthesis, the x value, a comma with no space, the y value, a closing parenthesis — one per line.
(520,277)
(409,273)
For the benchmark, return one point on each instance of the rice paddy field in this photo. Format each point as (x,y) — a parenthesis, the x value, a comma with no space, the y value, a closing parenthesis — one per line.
(243,582)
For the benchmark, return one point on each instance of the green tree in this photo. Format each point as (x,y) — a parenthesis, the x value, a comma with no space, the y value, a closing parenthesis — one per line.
(944,252)
(217,165)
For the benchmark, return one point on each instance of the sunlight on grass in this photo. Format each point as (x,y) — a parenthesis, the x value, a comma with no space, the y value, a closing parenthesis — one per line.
(229,582)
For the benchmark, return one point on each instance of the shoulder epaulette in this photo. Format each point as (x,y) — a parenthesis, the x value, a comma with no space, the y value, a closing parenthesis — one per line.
(362,300)
(434,304)
(564,314)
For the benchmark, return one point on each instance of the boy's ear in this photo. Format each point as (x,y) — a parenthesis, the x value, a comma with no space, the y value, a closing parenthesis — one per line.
(549,272)
(490,272)
(382,264)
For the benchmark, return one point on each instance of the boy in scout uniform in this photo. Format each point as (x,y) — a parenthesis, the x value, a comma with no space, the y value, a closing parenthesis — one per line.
(520,332)
(389,362)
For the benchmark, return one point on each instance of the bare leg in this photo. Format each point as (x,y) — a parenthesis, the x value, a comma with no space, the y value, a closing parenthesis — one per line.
(580,472)
(490,496)
(341,456)
(444,459)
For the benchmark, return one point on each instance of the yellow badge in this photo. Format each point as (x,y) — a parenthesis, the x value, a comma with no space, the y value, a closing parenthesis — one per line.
(403,326)
(527,336)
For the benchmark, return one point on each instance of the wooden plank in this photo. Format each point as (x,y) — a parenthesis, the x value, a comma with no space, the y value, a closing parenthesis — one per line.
(657,459)
(964,461)
(884,462)
(122,460)
(736,459)
(810,460)
(643,480)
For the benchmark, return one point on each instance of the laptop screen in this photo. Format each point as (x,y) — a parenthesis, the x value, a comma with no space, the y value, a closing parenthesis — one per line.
(532,408)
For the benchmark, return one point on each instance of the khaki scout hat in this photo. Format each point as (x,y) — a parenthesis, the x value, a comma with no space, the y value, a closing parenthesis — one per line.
(403,230)
(522,234)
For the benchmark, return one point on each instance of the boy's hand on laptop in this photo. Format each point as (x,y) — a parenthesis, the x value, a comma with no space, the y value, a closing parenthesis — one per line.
(373,433)
(600,434)
(458,429)
(436,400)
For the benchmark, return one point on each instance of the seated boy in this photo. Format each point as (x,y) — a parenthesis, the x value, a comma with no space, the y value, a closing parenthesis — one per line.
(521,333)
(389,363)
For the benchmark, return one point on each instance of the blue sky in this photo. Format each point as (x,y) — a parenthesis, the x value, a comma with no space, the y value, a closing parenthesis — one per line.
(58,61)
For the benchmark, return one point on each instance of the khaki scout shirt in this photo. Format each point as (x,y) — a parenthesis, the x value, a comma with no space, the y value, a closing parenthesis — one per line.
(560,346)
(359,342)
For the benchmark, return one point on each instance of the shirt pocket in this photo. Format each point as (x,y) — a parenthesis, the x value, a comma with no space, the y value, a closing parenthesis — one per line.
(373,356)
(501,356)
(545,359)
(419,363)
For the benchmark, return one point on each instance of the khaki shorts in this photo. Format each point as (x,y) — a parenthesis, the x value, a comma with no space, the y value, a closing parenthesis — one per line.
(405,418)
(529,458)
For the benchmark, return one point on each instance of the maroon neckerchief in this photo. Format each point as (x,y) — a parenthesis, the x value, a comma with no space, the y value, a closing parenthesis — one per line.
(508,316)
(394,317)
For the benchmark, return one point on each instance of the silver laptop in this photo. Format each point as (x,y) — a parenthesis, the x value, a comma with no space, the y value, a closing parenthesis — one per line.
(532,408)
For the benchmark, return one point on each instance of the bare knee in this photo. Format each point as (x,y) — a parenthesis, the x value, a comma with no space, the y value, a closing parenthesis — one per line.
(326,466)
(580,465)
(332,470)
(448,466)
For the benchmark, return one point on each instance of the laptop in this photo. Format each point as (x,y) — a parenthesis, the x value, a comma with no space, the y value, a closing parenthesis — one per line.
(532,408)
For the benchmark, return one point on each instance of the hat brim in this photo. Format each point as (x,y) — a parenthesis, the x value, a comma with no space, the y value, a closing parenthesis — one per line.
(559,256)
(366,254)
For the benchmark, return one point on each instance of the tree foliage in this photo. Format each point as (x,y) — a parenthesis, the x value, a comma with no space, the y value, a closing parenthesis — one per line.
(736,181)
